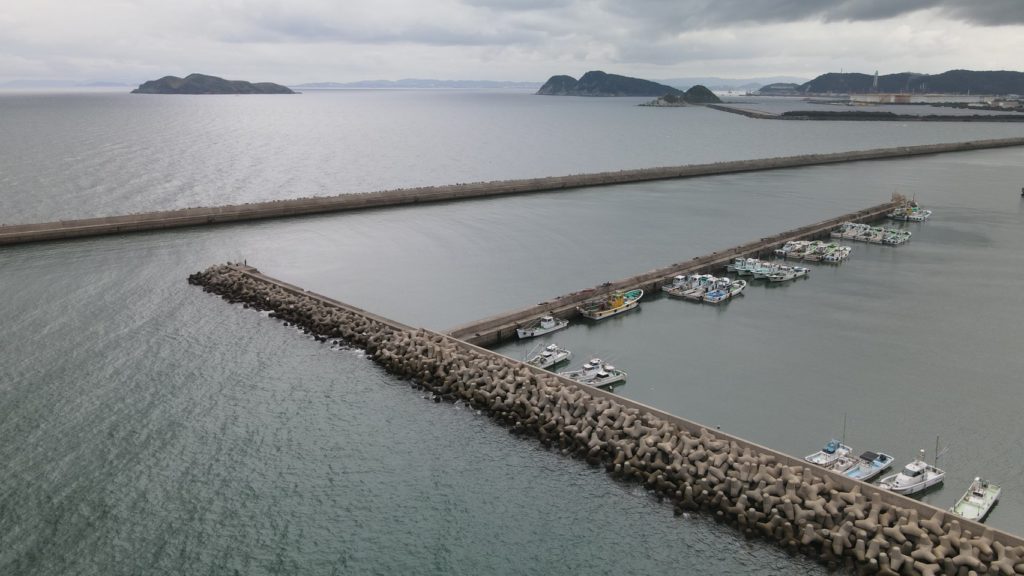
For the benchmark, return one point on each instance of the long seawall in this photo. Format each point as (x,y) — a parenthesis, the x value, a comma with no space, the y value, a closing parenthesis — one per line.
(762,492)
(66,229)
(502,327)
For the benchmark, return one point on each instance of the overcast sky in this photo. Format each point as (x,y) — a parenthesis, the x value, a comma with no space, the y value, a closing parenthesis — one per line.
(295,41)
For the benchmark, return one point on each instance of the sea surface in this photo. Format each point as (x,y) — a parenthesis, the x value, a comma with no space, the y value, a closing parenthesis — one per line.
(149,428)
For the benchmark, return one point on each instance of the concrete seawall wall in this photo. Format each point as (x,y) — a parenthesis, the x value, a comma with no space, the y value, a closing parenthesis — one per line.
(762,492)
(497,329)
(22,233)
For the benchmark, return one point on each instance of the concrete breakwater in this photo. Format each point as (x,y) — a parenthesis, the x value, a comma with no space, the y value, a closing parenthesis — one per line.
(65,229)
(865,116)
(496,329)
(762,492)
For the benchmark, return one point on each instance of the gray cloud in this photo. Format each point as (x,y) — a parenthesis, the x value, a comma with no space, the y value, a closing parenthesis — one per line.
(305,40)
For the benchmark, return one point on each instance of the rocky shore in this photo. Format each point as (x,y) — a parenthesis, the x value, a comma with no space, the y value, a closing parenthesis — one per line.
(762,493)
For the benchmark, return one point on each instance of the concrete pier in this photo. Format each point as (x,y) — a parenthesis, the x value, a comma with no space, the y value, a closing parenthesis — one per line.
(66,229)
(762,492)
(497,329)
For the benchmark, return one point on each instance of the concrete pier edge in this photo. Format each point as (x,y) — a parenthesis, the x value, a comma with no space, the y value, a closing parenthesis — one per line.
(203,216)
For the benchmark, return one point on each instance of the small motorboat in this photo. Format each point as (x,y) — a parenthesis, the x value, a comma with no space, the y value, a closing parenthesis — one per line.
(914,478)
(868,465)
(829,454)
(596,373)
(550,356)
(543,326)
(979,499)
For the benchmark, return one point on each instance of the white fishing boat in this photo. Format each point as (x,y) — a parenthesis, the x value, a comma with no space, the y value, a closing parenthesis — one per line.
(596,373)
(724,293)
(615,303)
(545,325)
(741,266)
(914,478)
(764,269)
(979,499)
(919,215)
(867,466)
(701,284)
(679,285)
(792,249)
(829,454)
(550,356)
(787,273)
(840,254)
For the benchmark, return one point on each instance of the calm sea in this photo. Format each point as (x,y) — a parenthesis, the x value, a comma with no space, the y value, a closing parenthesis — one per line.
(146,427)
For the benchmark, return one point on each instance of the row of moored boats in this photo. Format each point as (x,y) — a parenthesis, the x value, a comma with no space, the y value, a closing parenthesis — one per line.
(915,477)
(594,372)
(814,251)
(871,234)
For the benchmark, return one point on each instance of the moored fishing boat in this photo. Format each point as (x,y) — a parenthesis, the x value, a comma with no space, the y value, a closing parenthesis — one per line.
(787,273)
(701,284)
(914,478)
(679,285)
(792,248)
(615,303)
(596,373)
(840,254)
(867,466)
(550,356)
(542,326)
(742,266)
(723,293)
(978,501)
(829,454)
(919,215)
(764,269)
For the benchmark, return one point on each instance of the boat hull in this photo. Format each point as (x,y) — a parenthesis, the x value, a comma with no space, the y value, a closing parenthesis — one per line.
(976,505)
(912,488)
(602,314)
(539,331)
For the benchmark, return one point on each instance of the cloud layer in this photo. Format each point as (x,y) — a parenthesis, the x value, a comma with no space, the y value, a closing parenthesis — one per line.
(318,40)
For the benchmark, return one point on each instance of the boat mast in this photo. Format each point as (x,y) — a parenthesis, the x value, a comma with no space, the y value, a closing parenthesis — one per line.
(844,428)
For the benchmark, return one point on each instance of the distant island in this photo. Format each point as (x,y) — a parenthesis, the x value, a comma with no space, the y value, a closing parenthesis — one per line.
(950,82)
(695,95)
(597,83)
(203,84)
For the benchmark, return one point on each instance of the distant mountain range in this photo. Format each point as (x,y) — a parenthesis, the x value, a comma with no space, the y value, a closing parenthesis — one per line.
(951,82)
(419,83)
(724,84)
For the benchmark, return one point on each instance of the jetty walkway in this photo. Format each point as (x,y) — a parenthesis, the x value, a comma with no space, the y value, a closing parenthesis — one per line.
(497,329)
(762,492)
(67,229)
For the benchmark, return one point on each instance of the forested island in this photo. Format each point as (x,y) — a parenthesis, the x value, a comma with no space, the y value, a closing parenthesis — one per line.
(203,84)
(598,83)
